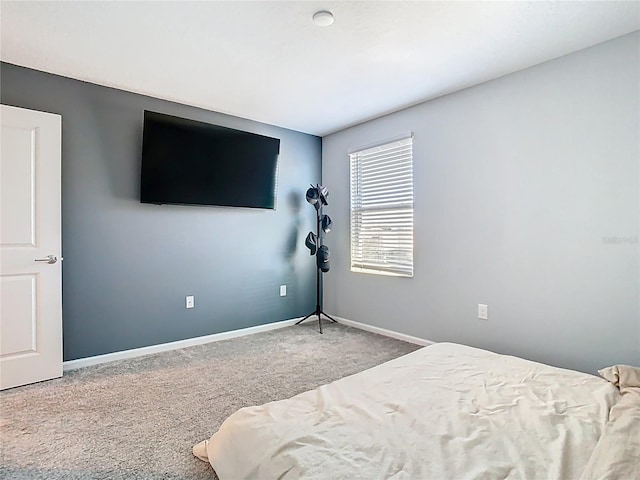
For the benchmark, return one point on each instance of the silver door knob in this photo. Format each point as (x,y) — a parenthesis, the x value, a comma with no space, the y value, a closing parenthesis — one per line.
(51,259)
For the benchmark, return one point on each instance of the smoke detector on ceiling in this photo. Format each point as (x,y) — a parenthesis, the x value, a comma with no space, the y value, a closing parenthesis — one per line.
(323,18)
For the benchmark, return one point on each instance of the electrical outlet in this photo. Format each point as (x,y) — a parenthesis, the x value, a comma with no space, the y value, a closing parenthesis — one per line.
(189,301)
(283,290)
(483,312)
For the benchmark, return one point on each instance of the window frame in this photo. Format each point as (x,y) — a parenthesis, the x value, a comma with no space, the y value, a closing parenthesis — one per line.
(382,207)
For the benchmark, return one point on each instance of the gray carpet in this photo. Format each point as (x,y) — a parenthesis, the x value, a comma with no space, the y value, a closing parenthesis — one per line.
(139,418)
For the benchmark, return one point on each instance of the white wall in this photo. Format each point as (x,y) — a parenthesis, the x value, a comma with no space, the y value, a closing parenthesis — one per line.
(520,185)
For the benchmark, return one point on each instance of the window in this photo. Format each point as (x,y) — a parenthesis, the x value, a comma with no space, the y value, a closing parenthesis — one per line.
(382,209)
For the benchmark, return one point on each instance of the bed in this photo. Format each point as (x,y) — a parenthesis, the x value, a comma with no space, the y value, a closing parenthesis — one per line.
(443,411)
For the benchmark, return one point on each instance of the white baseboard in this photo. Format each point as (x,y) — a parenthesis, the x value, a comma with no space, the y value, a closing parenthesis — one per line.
(164,347)
(384,331)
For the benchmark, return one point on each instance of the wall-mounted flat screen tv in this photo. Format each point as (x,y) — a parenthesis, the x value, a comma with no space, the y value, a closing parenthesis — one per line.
(194,163)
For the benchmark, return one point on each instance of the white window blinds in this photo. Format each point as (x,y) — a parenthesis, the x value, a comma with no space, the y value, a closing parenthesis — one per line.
(382,209)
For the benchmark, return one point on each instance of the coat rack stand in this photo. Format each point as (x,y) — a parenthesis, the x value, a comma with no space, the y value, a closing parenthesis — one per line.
(318,310)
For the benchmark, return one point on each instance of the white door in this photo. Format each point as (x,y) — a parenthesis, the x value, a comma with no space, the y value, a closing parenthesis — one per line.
(30,247)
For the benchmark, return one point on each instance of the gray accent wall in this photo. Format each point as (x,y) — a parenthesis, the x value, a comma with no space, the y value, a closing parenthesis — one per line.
(128,266)
(526,199)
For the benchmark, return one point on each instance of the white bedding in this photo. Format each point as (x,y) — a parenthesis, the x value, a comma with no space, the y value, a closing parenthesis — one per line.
(444,411)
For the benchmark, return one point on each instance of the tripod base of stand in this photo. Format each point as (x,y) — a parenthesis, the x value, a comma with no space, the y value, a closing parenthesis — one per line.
(317,312)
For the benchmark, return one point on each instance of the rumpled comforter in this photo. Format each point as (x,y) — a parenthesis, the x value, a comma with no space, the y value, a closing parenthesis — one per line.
(617,454)
(446,411)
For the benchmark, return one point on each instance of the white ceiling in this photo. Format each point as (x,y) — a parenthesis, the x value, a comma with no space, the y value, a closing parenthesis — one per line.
(267,61)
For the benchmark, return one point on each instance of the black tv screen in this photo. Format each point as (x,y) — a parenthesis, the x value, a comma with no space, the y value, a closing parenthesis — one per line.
(195,163)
